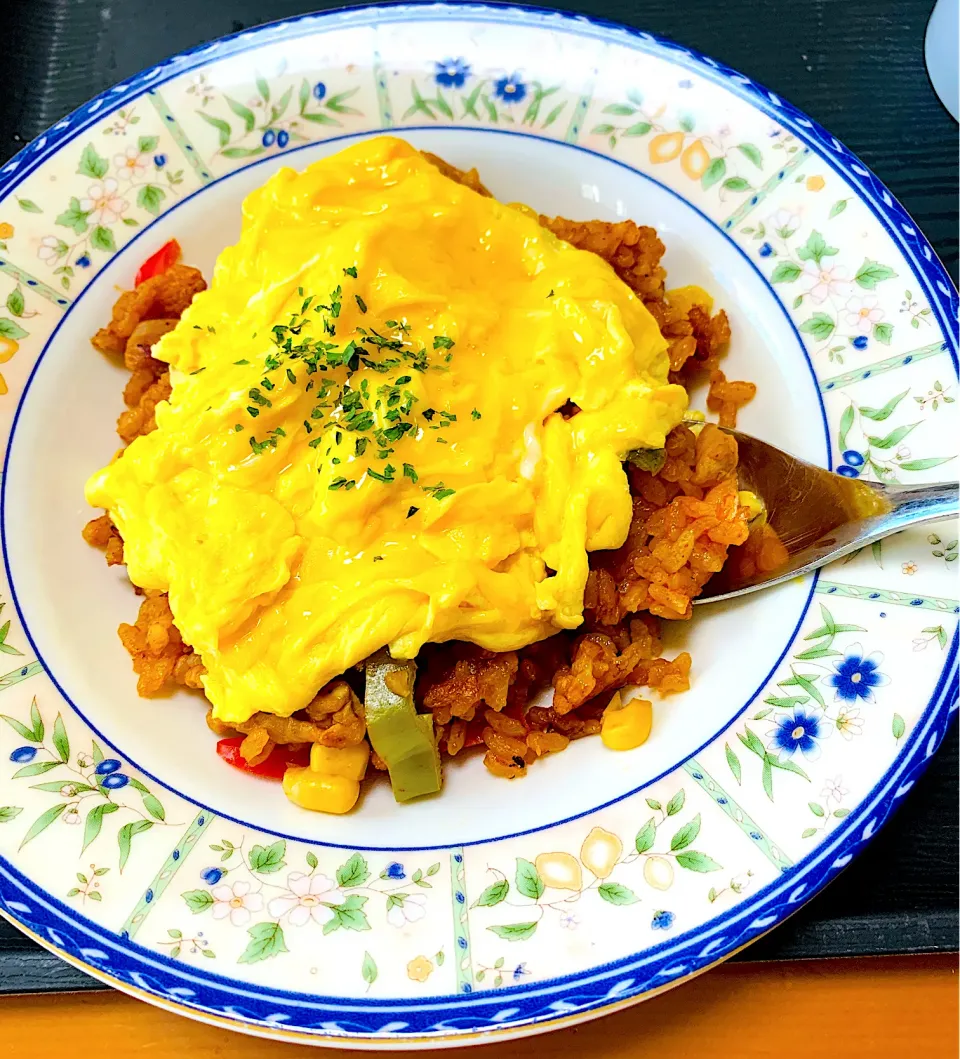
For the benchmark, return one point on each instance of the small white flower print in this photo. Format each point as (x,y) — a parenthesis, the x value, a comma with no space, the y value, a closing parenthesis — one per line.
(848,722)
(102,202)
(50,249)
(740,882)
(201,88)
(827,281)
(235,901)
(783,223)
(863,313)
(131,165)
(833,788)
(569,921)
(307,897)
(405,910)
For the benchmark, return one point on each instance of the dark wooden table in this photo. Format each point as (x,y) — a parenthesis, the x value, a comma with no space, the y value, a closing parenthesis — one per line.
(854,65)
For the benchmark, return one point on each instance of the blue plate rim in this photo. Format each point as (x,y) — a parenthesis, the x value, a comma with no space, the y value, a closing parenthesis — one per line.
(844,841)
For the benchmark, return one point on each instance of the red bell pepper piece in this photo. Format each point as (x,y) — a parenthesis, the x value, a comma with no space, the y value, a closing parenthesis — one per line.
(279,760)
(474,733)
(517,712)
(167,256)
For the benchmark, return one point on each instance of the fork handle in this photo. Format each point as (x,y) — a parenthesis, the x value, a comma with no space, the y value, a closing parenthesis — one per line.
(912,505)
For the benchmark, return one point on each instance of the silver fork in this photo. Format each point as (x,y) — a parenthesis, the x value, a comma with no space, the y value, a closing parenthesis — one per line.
(820,516)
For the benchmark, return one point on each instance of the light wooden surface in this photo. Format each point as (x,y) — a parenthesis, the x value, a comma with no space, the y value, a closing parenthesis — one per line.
(830,1009)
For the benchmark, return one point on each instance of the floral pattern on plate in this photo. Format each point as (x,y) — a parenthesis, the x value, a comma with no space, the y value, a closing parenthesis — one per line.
(457,92)
(123,176)
(264,122)
(845,295)
(85,786)
(704,858)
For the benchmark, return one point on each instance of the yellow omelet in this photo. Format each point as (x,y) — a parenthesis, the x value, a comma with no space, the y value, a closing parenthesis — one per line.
(363,446)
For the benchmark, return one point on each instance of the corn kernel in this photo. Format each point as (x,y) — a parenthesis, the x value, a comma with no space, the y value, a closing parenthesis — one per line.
(684,299)
(693,418)
(626,726)
(320,794)
(349,761)
(752,504)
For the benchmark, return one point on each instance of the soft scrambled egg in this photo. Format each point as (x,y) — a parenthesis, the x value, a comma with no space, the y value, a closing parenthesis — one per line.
(306,501)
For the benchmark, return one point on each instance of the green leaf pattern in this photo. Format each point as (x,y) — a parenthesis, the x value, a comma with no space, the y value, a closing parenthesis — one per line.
(806,703)
(881,455)
(715,163)
(266,940)
(528,880)
(843,319)
(477,101)
(549,887)
(82,797)
(271,121)
(100,211)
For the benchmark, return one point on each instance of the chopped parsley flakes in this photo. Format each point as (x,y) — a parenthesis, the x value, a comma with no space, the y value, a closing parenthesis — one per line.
(311,357)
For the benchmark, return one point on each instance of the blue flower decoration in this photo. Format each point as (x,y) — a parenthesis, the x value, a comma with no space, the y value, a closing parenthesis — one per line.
(83,261)
(847,471)
(800,730)
(108,765)
(212,876)
(319,90)
(452,73)
(394,871)
(662,920)
(114,781)
(685,83)
(520,971)
(766,250)
(856,676)
(23,754)
(268,138)
(283,138)
(860,342)
(510,89)
(159,160)
(854,458)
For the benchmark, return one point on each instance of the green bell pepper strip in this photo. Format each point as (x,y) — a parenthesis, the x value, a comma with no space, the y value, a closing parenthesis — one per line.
(651,460)
(402,737)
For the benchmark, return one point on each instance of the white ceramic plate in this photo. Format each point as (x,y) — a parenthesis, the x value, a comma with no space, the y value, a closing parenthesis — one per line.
(600,879)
